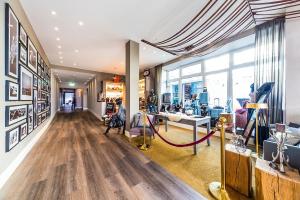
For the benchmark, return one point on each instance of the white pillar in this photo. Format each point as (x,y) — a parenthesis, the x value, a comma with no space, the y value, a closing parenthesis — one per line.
(132,80)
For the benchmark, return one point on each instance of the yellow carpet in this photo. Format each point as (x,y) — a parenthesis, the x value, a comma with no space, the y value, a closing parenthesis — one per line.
(197,171)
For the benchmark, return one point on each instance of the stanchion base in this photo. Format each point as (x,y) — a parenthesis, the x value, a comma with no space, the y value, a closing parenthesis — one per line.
(143,147)
(217,192)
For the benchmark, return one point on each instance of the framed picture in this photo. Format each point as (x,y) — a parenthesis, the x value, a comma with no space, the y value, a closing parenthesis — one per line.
(32,56)
(30,118)
(44,117)
(34,109)
(39,107)
(11,43)
(23,36)
(23,131)
(12,138)
(12,91)
(23,54)
(39,58)
(39,119)
(35,81)
(15,114)
(26,84)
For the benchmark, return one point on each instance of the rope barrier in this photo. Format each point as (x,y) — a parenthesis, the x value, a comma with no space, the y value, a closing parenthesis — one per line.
(180,145)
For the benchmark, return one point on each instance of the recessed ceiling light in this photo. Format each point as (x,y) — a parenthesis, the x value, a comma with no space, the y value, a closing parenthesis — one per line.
(75,64)
(144,48)
(59,52)
(61,62)
(53,12)
(154,52)
(61,57)
(80,23)
(76,50)
(58,39)
(56,28)
(59,46)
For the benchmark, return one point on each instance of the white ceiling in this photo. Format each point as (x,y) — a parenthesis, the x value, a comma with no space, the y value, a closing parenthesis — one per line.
(66,76)
(107,26)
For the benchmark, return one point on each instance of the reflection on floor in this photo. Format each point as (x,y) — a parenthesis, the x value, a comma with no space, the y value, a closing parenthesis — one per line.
(74,160)
(198,171)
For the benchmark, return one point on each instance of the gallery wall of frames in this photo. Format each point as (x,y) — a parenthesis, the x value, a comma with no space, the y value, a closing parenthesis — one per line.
(27,83)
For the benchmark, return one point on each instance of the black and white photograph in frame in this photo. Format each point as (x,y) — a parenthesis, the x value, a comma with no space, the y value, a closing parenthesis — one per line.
(26,84)
(32,56)
(23,54)
(35,81)
(35,108)
(39,119)
(30,118)
(12,138)
(39,58)
(44,117)
(23,131)
(23,36)
(12,91)
(14,114)
(11,43)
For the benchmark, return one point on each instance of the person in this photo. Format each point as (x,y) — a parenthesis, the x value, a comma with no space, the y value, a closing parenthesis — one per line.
(117,119)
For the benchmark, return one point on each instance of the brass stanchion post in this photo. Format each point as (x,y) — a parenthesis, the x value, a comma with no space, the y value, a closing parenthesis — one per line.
(218,189)
(144,146)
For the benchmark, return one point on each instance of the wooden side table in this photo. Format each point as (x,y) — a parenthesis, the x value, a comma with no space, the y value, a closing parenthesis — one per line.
(238,167)
(273,185)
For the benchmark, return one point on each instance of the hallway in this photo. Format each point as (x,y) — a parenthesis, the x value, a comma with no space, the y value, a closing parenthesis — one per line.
(74,160)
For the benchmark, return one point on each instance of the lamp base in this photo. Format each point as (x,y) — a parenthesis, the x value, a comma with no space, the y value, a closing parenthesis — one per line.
(217,192)
(143,147)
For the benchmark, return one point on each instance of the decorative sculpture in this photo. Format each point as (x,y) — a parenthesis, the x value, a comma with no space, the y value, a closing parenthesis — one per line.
(152,102)
(280,128)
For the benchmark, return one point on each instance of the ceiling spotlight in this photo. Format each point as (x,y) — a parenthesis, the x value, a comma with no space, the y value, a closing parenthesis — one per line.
(61,62)
(154,52)
(53,12)
(144,48)
(80,23)
(72,84)
(59,46)
(56,28)
(76,50)
(59,52)
(58,39)
(61,57)
(75,64)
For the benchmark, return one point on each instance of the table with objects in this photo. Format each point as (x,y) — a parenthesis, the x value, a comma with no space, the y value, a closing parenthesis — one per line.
(192,120)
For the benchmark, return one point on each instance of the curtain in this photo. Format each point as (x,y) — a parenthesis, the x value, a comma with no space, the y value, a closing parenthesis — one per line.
(158,71)
(269,67)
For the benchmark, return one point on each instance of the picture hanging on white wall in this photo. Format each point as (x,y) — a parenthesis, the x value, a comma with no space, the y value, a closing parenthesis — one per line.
(11,43)
(15,114)
(32,56)
(12,138)
(23,131)
(12,91)
(26,84)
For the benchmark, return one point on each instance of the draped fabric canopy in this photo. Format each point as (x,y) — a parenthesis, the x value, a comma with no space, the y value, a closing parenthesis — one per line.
(269,58)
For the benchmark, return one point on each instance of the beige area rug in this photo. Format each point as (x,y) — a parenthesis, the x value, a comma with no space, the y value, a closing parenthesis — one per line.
(196,170)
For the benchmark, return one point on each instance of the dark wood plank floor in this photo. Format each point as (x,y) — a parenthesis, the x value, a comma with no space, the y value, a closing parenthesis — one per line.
(74,160)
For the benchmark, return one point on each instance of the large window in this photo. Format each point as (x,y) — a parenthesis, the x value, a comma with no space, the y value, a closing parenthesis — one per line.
(242,78)
(226,76)
(218,63)
(191,86)
(217,89)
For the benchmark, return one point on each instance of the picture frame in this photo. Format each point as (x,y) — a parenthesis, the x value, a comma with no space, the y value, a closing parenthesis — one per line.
(39,59)
(31,56)
(23,36)
(39,107)
(35,81)
(30,118)
(35,108)
(26,84)
(12,138)
(44,117)
(11,43)
(11,91)
(14,114)
(23,54)
(39,121)
(23,131)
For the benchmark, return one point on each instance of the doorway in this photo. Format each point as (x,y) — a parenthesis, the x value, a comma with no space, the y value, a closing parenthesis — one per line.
(67,99)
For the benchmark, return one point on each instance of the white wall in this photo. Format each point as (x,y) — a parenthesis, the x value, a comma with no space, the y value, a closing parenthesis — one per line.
(10,160)
(292,71)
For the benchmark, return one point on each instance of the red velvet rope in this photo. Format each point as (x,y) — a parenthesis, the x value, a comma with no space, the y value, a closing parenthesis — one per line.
(180,145)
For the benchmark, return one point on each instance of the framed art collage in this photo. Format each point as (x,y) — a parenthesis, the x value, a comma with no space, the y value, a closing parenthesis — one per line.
(27,84)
